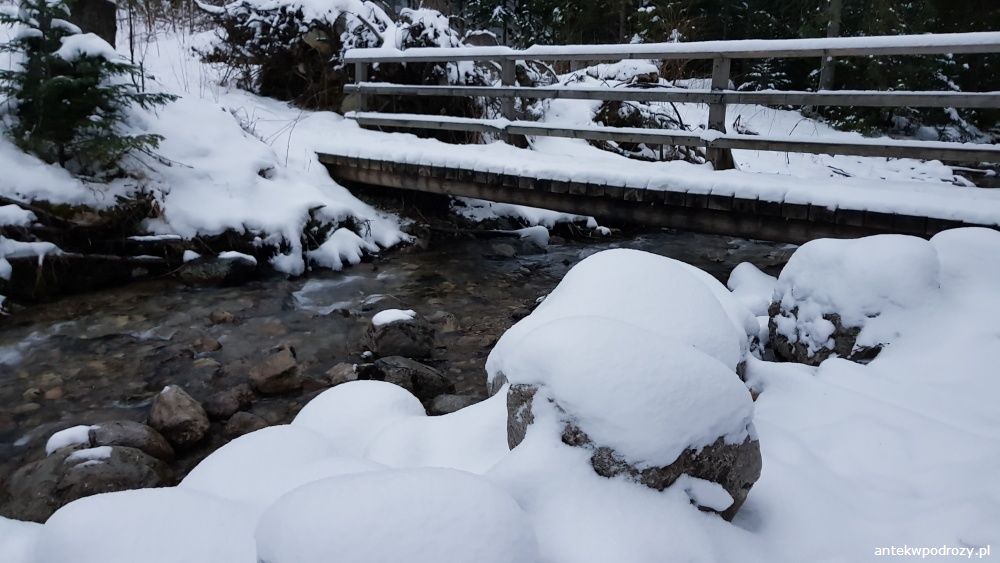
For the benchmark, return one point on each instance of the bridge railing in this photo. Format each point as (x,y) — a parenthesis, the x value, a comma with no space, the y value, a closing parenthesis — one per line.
(715,139)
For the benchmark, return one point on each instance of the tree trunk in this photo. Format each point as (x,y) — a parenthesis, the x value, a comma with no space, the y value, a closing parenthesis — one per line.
(828,65)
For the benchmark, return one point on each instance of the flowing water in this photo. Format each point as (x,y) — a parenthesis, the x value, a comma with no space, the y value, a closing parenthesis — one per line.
(103,356)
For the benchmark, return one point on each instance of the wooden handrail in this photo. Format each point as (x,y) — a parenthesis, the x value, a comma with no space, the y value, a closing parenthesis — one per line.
(856,98)
(885,45)
(959,152)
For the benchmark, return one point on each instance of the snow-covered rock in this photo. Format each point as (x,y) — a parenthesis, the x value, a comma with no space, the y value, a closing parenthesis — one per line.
(395,332)
(352,414)
(17,540)
(413,515)
(752,287)
(653,292)
(648,408)
(838,297)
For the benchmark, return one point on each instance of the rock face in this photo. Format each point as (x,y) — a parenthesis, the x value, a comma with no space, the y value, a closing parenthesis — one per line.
(736,467)
(277,374)
(225,404)
(424,382)
(179,417)
(40,488)
(412,338)
(126,433)
(342,373)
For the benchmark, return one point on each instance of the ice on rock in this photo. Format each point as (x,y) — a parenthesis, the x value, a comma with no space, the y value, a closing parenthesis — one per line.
(831,289)
(349,416)
(646,397)
(658,294)
(257,468)
(413,515)
(167,525)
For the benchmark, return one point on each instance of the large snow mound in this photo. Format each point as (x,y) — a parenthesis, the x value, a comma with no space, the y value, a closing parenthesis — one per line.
(856,279)
(150,525)
(653,292)
(414,515)
(647,397)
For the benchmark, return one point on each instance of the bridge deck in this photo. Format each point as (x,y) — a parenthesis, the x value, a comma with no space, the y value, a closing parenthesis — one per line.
(677,195)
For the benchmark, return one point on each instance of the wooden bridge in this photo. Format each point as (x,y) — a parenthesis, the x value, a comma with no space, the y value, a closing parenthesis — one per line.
(718,202)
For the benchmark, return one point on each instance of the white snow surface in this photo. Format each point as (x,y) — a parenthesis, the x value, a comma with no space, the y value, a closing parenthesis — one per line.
(100,453)
(75,47)
(413,515)
(389,316)
(864,281)
(647,397)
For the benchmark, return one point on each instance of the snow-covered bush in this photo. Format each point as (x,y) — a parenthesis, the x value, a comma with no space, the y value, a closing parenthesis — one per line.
(70,94)
(293,49)
(836,297)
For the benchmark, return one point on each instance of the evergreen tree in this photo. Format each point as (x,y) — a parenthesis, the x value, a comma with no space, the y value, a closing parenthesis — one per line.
(71,91)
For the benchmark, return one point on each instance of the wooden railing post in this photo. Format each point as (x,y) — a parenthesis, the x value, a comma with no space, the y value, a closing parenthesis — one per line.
(508,77)
(722,159)
(361,75)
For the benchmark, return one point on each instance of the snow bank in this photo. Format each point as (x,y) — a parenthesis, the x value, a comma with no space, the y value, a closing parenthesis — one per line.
(17,540)
(652,292)
(856,279)
(647,397)
(472,439)
(415,515)
(257,468)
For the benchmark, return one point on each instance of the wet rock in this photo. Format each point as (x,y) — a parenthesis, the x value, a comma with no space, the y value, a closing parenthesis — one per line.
(54,394)
(277,374)
(49,380)
(32,394)
(221,317)
(342,373)
(25,408)
(412,338)
(503,250)
(179,417)
(735,467)
(207,366)
(218,271)
(243,423)
(126,433)
(446,321)
(38,489)
(447,404)
(424,382)
(207,344)
(225,404)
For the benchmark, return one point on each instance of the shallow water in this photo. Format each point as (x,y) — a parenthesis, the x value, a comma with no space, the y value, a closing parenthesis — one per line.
(103,356)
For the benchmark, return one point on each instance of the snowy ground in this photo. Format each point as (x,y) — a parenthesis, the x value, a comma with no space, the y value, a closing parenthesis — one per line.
(902,452)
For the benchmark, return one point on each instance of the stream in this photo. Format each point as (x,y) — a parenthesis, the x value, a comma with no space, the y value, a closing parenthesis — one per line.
(103,356)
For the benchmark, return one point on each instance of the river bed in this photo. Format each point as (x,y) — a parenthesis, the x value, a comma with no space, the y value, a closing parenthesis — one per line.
(103,356)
